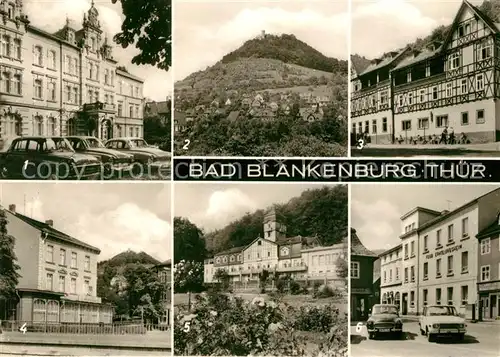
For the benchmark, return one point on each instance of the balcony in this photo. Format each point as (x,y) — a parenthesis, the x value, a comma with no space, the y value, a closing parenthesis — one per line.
(300,267)
(99,107)
(83,297)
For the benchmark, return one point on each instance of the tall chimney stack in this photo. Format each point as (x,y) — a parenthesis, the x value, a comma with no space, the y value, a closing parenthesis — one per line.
(12,208)
(49,222)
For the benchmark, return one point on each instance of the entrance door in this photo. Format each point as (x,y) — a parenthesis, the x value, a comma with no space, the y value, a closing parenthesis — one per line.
(404,307)
(362,308)
(486,307)
(493,306)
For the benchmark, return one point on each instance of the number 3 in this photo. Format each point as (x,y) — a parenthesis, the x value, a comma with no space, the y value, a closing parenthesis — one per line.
(186,145)
(187,326)
(361,144)
(359,326)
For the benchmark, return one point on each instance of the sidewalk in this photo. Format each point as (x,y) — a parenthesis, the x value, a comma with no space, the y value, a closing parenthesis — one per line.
(154,340)
(495,146)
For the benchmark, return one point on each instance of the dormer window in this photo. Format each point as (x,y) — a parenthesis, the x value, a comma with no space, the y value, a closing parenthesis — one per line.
(71,36)
(408,77)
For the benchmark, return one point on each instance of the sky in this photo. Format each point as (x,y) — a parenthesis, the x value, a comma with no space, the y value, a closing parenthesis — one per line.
(113,217)
(50,15)
(379,26)
(213,206)
(376,209)
(205,31)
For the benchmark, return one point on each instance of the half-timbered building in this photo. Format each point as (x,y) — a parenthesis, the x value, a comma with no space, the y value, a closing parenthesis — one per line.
(413,95)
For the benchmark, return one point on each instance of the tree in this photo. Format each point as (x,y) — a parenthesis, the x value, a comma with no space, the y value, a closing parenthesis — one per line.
(223,278)
(148,26)
(342,269)
(189,244)
(188,277)
(9,276)
(263,277)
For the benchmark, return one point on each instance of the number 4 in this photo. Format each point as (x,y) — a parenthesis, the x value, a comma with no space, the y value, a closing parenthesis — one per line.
(23,328)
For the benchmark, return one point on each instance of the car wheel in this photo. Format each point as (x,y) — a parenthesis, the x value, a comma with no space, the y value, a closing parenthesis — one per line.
(461,336)
(4,173)
(430,337)
(371,336)
(399,335)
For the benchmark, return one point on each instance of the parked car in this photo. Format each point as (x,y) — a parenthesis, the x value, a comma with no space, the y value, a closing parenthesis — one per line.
(143,153)
(113,160)
(384,318)
(38,157)
(438,320)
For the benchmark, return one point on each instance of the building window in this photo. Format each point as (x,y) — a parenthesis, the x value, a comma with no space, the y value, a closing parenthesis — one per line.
(412,249)
(441,121)
(449,89)
(52,91)
(438,296)
(485,246)
(450,233)
(18,48)
(450,296)
(62,256)
(50,281)
(450,265)
(76,96)
(454,61)
(426,271)
(73,286)
(426,248)
(406,275)
(425,297)
(62,283)
(50,254)
(465,262)
(406,125)
(465,118)
(6,82)
(479,82)
(480,119)
(438,238)
(355,270)
(38,125)
(385,276)
(52,59)
(73,259)
(11,11)
(427,71)
(52,311)
(37,88)
(390,275)
(465,295)
(485,50)
(438,268)
(412,274)
(6,50)
(384,125)
(406,245)
(51,126)
(412,298)
(465,227)
(86,286)
(421,97)
(397,273)
(93,43)
(38,55)
(434,93)
(131,111)
(120,109)
(423,123)
(87,263)
(485,273)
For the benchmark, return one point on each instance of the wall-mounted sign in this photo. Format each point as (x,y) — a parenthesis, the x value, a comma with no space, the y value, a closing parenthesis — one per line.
(446,251)
(360,291)
(488,286)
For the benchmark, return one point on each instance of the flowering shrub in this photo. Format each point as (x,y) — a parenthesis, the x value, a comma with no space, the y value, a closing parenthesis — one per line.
(223,325)
(319,318)
(188,276)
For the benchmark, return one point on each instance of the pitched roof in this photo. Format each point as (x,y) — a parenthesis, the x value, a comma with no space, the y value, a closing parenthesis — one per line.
(385,61)
(359,63)
(231,250)
(357,248)
(158,107)
(492,229)
(52,232)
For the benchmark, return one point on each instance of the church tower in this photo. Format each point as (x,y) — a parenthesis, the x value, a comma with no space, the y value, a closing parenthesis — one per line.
(273,230)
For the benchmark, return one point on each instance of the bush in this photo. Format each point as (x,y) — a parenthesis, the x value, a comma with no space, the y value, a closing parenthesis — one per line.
(295,288)
(319,319)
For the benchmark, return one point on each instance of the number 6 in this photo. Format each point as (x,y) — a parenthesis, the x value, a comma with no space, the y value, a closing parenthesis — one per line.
(359,327)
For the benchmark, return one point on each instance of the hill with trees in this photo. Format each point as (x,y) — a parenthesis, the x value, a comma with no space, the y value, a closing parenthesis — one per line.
(320,212)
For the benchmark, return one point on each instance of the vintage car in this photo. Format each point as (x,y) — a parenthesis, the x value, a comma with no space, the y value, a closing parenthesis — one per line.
(144,154)
(439,320)
(384,318)
(113,160)
(38,157)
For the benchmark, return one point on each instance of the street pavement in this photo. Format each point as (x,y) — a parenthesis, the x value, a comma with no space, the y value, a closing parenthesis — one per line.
(36,350)
(481,340)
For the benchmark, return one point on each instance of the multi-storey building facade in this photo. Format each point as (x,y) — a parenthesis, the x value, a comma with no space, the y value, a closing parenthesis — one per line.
(443,257)
(488,277)
(418,93)
(66,83)
(362,284)
(302,258)
(164,271)
(391,277)
(58,281)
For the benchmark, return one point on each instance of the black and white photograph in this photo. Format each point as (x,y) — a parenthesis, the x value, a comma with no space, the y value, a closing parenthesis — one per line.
(85,90)
(424,270)
(85,272)
(261,78)
(424,78)
(260,270)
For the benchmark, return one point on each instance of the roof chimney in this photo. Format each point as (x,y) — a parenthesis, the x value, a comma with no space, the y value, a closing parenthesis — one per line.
(12,208)
(49,222)
(444,212)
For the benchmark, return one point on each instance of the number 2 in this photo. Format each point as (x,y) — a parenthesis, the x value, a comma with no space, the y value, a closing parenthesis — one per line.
(186,144)
(187,326)
(359,327)
(361,144)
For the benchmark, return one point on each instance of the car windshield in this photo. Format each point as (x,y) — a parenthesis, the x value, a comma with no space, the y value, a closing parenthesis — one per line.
(384,309)
(138,143)
(57,144)
(442,311)
(95,143)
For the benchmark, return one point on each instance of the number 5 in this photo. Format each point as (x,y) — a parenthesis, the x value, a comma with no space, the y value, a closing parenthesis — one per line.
(187,326)
(359,327)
